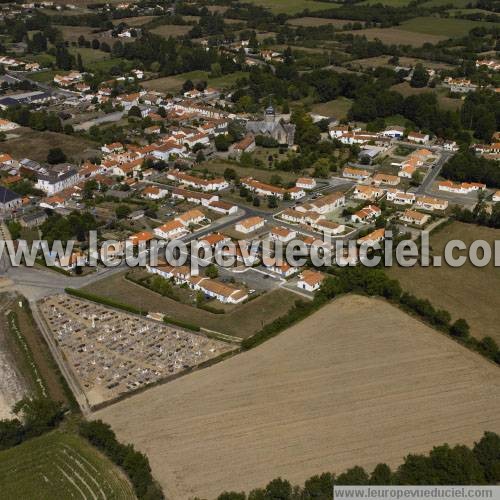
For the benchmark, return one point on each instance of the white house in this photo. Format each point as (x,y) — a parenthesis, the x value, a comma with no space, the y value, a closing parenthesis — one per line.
(249,225)
(355,173)
(55,180)
(418,137)
(305,183)
(310,280)
(171,229)
(366,214)
(496,197)
(400,197)
(394,132)
(430,203)
(281,233)
(414,217)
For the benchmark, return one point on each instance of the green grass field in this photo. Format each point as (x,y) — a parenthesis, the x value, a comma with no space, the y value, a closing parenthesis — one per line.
(62,466)
(174,83)
(292,6)
(337,108)
(450,27)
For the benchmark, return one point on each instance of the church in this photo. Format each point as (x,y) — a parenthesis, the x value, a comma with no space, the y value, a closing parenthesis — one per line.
(270,126)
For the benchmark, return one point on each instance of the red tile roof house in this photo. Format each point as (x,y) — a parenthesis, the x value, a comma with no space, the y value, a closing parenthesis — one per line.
(376,236)
(285,270)
(366,214)
(280,233)
(249,225)
(154,193)
(463,188)
(263,189)
(222,207)
(430,203)
(246,145)
(415,218)
(171,229)
(418,137)
(194,216)
(310,280)
(305,183)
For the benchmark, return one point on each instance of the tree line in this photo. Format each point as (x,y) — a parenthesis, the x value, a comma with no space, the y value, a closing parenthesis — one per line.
(443,465)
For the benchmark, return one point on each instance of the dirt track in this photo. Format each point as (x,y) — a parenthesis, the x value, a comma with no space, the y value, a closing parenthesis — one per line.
(360,382)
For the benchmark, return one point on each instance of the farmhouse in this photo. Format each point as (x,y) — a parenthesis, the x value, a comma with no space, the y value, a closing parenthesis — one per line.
(310,280)
(249,225)
(415,218)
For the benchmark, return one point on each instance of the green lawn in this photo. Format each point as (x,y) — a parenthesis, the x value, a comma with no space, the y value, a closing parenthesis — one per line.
(450,27)
(62,466)
(46,76)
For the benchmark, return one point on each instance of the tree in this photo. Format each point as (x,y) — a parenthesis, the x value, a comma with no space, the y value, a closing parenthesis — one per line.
(79,62)
(420,76)
(200,157)
(230,174)
(222,142)
(38,415)
(135,111)
(487,452)
(381,475)
(95,44)
(212,271)
(56,155)
(272,201)
(355,476)
(187,86)
(460,329)
(256,201)
(122,211)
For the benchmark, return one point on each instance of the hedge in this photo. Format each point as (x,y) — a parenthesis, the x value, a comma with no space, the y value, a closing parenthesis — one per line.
(105,301)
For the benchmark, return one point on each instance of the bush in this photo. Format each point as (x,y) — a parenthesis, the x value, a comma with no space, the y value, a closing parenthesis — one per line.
(105,301)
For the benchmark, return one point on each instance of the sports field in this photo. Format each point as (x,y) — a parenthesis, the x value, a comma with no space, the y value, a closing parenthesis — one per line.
(359,382)
(63,466)
(466,292)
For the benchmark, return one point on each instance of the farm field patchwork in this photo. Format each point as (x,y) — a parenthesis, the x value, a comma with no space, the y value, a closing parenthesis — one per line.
(319,21)
(465,292)
(359,382)
(168,30)
(60,465)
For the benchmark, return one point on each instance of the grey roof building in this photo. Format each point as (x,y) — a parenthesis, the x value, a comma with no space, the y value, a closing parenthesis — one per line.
(271,126)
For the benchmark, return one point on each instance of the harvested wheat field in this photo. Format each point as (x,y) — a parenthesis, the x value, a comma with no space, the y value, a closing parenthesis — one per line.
(359,382)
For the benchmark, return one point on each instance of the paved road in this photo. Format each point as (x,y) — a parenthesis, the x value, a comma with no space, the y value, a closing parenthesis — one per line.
(433,173)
